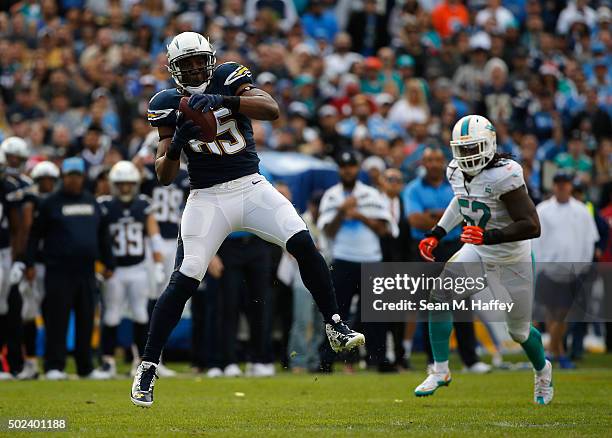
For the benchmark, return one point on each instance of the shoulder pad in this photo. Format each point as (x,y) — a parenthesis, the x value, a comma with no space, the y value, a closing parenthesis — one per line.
(231,72)
(163,106)
(104,198)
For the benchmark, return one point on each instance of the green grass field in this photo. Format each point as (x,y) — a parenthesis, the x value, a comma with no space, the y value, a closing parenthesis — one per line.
(365,404)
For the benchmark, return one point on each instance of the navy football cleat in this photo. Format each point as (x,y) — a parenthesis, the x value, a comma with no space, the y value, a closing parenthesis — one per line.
(341,337)
(144,381)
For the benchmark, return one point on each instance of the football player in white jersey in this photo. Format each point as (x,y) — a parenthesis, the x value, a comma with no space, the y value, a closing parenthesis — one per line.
(499,221)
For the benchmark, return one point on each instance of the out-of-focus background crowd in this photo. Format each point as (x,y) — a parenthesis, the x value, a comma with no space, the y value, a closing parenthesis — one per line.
(385,78)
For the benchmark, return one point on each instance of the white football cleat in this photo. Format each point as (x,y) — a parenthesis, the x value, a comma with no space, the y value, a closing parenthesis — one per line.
(262,370)
(56,375)
(164,371)
(232,370)
(543,388)
(478,368)
(98,374)
(431,383)
(29,371)
(6,376)
(215,372)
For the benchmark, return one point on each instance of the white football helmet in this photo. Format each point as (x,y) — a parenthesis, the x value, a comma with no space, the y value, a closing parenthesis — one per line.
(16,146)
(45,169)
(124,172)
(185,45)
(473,143)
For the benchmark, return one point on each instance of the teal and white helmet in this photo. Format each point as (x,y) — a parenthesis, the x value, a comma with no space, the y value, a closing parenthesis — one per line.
(473,143)
(186,45)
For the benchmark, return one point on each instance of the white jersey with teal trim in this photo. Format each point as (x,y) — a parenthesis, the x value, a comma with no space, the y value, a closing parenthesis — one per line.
(480,204)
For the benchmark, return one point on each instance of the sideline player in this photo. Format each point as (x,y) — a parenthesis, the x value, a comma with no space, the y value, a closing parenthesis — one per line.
(491,197)
(45,176)
(130,220)
(227,192)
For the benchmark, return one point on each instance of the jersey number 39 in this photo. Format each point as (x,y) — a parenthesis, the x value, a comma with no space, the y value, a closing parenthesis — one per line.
(231,145)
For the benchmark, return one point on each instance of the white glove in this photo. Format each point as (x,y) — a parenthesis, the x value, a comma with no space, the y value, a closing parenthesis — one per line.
(25,289)
(16,273)
(159,273)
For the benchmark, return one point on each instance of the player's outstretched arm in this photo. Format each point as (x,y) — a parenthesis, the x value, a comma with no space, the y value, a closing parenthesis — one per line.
(523,212)
(257,104)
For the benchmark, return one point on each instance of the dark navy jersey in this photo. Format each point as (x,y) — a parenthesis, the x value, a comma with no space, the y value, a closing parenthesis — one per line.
(11,196)
(167,201)
(232,154)
(33,196)
(127,227)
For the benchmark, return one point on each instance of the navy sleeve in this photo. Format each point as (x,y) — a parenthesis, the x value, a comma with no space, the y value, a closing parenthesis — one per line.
(230,76)
(38,231)
(104,240)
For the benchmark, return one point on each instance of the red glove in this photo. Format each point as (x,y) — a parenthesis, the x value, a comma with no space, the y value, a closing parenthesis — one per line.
(472,234)
(426,247)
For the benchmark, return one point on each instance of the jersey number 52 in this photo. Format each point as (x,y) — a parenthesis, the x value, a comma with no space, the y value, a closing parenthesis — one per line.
(231,145)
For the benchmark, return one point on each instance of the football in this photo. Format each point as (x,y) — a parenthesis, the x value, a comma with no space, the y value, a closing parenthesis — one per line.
(206,121)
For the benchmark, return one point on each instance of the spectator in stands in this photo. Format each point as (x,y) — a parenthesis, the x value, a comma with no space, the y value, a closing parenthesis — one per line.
(368,29)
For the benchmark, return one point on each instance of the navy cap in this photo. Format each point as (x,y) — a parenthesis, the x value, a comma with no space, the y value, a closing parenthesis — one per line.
(348,158)
(563,175)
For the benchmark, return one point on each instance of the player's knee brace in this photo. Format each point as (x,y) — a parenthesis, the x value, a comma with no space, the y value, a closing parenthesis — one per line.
(301,246)
(519,331)
(193,266)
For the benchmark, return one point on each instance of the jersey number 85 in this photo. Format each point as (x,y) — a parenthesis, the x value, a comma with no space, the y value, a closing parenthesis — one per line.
(222,146)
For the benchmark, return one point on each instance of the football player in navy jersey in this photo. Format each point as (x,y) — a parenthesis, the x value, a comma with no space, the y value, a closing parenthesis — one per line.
(227,192)
(130,220)
(11,197)
(45,176)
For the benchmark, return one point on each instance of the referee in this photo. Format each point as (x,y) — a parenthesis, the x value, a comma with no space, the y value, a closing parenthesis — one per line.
(69,228)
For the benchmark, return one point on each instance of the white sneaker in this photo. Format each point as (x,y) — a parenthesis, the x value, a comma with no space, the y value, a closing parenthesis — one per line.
(109,366)
(478,368)
(215,372)
(6,376)
(232,370)
(164,371)
(431,383)
(263,370)
(29,371)
(543,388)
(98,374)
(56,375)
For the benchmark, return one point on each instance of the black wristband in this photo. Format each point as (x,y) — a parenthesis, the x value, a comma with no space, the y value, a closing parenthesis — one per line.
(492,237)
(173,154)
(438,232)
(232,103)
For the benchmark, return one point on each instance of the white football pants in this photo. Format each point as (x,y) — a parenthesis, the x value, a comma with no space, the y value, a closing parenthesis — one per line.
(249,203)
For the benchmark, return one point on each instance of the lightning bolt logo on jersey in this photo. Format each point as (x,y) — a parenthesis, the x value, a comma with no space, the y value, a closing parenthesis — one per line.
(127,226)
(232,154)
